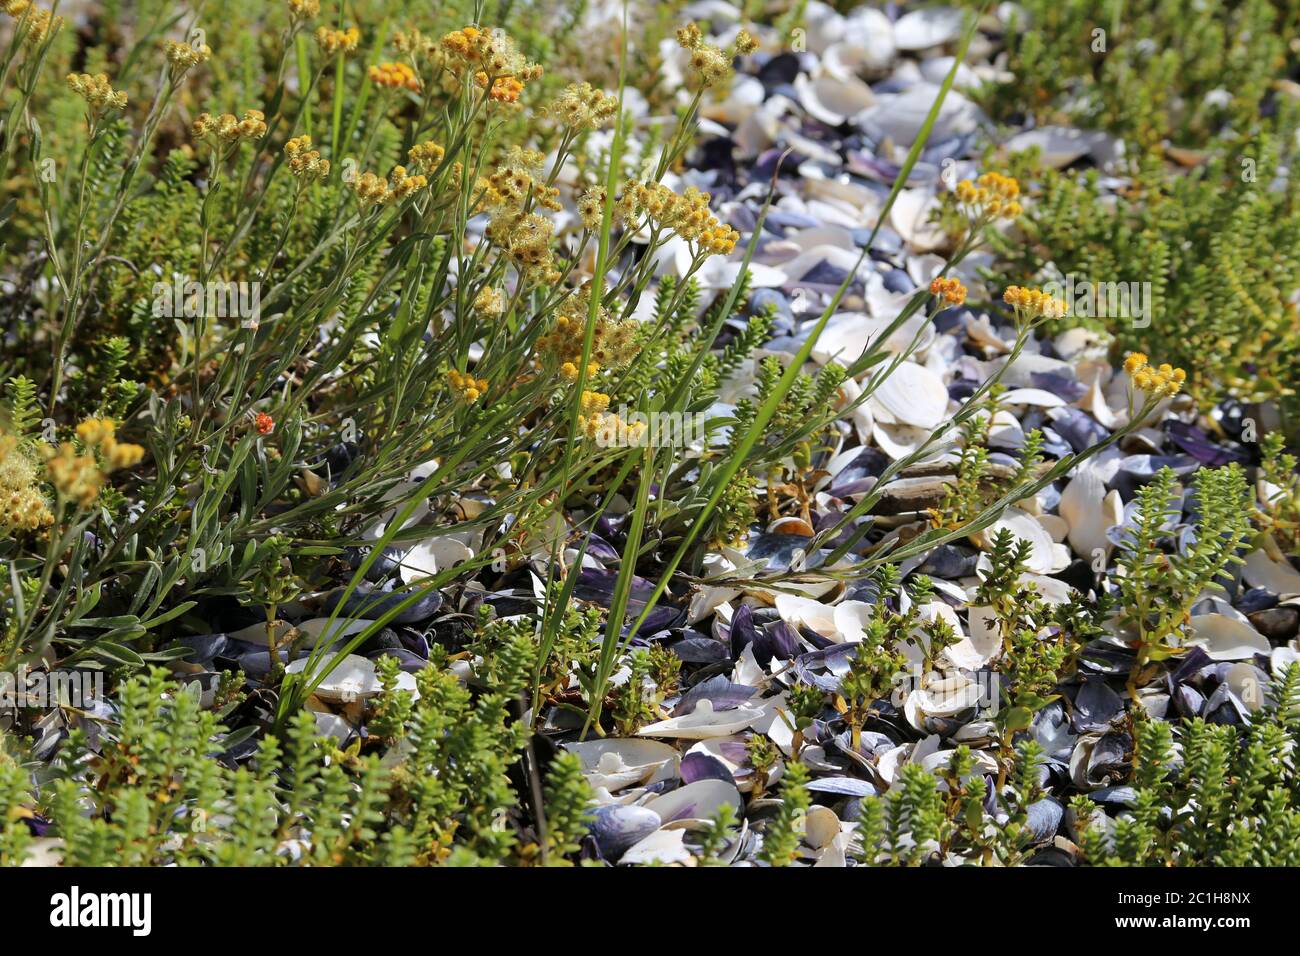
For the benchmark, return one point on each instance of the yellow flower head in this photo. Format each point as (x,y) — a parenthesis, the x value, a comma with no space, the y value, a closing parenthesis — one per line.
(951,291)
(305,162)
(1164,381)
(1034,304)
(425,157)
(332,42)
(40,23)
(394,76)
(182,57)
(467,387)
(582,106)
(96,91)
(300,10)
(991,196)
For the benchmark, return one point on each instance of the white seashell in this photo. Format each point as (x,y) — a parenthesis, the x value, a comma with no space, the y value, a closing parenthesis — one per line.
(696,802)
(1225,638)
(1062,145)
(703,722)
(746,95)
(1044,557)
(929,27)
(910,217)
(899,117)
(1261,571)
(823,24)
(1248,683)
(945,697)
(981,645)
(869,35)
(618,762)
(1037,397)
(429,557)
(353,679)
(831,99)
(804,612)
(1090,511)
(663,846)
(936,70)
(821,827)
(911,395)
(899,441)
(850,617)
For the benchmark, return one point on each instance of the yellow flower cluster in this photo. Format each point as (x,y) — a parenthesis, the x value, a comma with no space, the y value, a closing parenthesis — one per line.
(591,207)
(337,41)
(22,506)
(505,89)
(394,76)
(372,190)
(1034,303)
(414,42)
(305,162)
(710,63)
(404,185)
(526,239)
(512,182)
(490,51)
(81,477)
(490,302)
(591,409)
(688,215)
(97,91)
(228,129)
(468,387)
(950,291)
(992,194)
(303,9)
(613,341)
(182,57)
(100,434)
(40,23)
(582,106)
(1164,380)
(425,157)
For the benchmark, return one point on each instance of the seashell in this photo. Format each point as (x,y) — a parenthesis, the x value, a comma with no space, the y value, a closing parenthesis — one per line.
(746,95)
(1226,639)
(849,618)
(1090,512)
(943,698)
(619,762)
(703,723)
(823,24)
(910,216)
(351,680)
(926,28)
(831,99)
(900,441)
(821,827)
(428,557)
(617,828)
(1248,684)
(1063,145)
(899,117)
(981,646)
(869,35)
(803,612)
(1261,571)
(696,802)
(911,395)
(663,846)
(1046,557)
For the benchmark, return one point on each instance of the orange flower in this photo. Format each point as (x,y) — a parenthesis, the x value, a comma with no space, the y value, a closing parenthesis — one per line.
(264,423)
